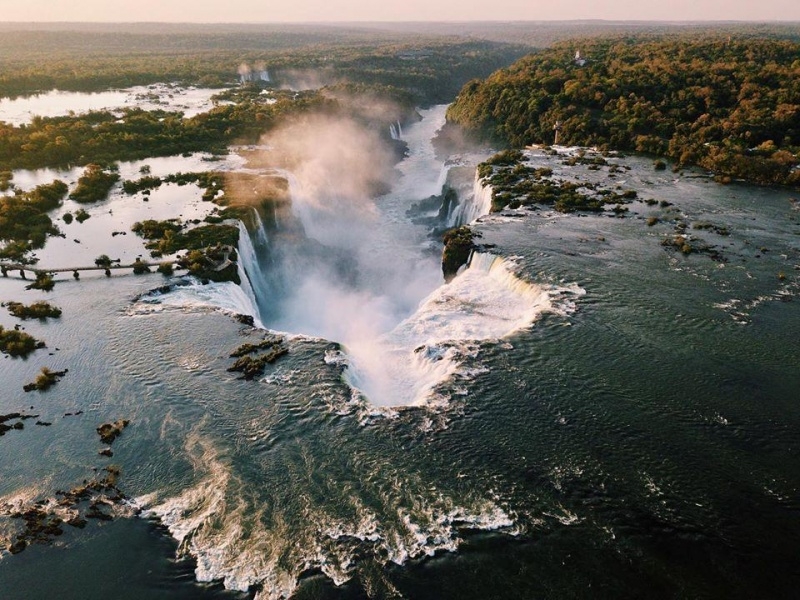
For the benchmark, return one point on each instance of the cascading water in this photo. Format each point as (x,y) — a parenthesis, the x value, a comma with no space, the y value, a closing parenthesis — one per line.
(260,231)
(356,271)
(474,206)
(485,301)
(248,264)
(396,130)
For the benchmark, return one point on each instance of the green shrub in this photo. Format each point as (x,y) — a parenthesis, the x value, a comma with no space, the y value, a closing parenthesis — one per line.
(44,281)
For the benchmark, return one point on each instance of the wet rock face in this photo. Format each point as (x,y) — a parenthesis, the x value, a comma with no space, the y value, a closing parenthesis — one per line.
(252,359)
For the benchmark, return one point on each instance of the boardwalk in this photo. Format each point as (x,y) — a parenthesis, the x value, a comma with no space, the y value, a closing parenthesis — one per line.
(22,271)
(19,270)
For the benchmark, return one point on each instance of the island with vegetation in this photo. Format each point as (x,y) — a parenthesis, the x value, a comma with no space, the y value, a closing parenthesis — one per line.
(210,249)
(24,222)
(45,380)
(514,184)
(94,185)
(17,343)
(37,310)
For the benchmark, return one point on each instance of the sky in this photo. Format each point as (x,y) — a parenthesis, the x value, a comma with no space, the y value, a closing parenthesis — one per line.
(265,11)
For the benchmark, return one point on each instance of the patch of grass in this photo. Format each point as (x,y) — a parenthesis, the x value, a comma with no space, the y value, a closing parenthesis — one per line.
(44,281)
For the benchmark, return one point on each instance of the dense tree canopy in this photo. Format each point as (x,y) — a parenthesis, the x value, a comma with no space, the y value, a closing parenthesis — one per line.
(729,105)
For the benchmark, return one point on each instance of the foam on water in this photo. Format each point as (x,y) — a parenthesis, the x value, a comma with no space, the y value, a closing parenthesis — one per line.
(239,537)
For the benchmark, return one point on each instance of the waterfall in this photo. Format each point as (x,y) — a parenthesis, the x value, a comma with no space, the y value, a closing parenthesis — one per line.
(247,263)
(442,180)
(482,200)
(487,300)
(261,232)
(474,206)
(396,130)
(499,269)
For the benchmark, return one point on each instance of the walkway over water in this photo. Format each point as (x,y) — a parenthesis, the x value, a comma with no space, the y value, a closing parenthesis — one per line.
(20,270)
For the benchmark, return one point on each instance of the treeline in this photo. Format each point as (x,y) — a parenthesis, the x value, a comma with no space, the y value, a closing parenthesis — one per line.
(432,67)
(542,34)
(729,105)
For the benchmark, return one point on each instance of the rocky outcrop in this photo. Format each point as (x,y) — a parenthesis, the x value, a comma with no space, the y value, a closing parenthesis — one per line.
(6,423)
(252,359)
(110,431)
(43,521)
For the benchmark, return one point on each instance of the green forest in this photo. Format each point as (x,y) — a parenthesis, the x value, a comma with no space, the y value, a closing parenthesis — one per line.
(730,105)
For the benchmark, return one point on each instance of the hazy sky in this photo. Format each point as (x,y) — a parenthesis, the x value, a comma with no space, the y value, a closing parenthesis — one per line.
(236,11)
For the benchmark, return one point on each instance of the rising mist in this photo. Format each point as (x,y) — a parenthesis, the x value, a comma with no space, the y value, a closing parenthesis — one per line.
(339,267)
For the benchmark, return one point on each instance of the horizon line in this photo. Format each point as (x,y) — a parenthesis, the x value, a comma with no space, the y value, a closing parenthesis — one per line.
(403,22)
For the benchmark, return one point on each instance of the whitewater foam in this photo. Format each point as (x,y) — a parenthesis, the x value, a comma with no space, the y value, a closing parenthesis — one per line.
(222,522)
(225,297)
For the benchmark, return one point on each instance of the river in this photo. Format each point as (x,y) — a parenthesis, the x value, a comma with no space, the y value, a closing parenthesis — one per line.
(580,413)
